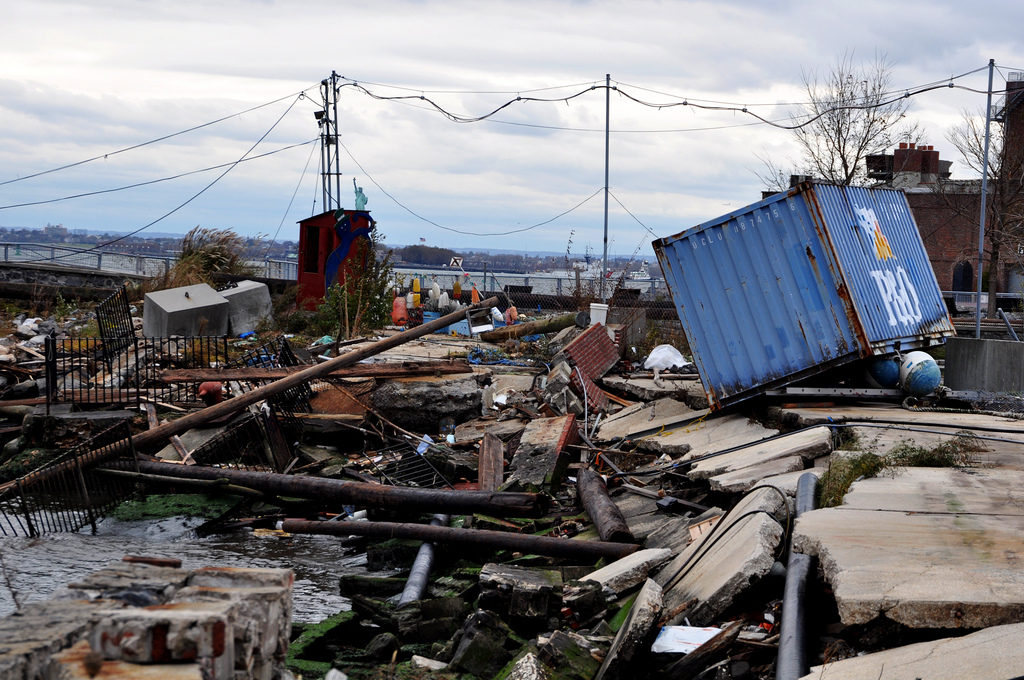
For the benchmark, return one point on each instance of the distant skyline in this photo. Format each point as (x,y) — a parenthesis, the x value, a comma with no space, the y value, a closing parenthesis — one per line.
(87,79)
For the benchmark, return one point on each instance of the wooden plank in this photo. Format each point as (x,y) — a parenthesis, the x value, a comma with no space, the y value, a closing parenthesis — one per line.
(381,370)
(491,468)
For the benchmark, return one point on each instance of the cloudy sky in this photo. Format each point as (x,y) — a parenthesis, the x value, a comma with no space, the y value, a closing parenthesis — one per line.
(80,80)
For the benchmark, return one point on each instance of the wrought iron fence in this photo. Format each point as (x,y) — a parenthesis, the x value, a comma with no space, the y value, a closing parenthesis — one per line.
(87,371)
(68,492)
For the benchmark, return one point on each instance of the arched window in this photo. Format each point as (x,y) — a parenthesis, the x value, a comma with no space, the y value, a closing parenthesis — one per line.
(963,275)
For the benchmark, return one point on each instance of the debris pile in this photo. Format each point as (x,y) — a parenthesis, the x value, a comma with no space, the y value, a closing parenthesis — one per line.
(542,508)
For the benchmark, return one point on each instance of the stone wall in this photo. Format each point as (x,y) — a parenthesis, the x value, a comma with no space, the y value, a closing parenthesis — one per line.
(144,620)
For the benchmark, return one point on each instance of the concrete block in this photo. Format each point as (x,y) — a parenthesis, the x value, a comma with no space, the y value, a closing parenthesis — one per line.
(520,592)
(259,618)
(988,365)
(189,311)
(575,657)
(193,631)
(248,305)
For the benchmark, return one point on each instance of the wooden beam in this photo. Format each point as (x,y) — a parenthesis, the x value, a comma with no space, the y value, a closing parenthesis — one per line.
(491,466)
(386,370)
(548,325)
(606,516)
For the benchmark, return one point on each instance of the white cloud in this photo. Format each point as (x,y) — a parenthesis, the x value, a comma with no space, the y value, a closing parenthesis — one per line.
(78,79)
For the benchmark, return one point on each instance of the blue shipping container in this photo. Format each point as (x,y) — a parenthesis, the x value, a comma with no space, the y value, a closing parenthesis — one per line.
(802,281)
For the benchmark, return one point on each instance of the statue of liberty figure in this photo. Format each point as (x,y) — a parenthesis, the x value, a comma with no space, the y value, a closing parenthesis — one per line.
(360,196)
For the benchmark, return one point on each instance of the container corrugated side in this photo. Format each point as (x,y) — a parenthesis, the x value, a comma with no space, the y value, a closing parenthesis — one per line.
(884,265)
(757,294)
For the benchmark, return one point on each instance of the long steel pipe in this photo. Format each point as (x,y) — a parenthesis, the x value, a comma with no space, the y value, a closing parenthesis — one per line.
(792,660)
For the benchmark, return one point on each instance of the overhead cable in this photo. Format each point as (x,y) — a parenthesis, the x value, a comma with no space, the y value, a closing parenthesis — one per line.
(191,198)
(157,181)
(152,141)
(453,229)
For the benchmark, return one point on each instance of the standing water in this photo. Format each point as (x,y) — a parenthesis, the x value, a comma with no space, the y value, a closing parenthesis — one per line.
(37,568)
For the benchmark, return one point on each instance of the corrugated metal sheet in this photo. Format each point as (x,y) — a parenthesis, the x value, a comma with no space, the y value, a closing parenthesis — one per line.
(799,282)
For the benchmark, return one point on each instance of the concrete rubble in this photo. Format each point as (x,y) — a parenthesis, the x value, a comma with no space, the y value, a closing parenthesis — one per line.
(419,429)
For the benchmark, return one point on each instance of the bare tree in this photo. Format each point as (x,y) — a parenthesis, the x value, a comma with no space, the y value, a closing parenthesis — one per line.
(1004,219)
(851,113)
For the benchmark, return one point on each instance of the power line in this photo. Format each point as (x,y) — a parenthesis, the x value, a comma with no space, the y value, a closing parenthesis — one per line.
(356,81)
(301,93)
(460,231)
(191,198)
(739,104)
(628,212)
(290,201)
(155,181)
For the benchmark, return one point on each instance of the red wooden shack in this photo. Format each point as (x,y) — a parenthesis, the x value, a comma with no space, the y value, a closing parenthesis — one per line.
(328,244)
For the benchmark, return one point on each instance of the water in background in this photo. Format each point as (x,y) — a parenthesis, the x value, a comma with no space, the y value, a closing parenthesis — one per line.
(39,567)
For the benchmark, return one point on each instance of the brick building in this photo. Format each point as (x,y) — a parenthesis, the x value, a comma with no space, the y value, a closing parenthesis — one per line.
(947,211)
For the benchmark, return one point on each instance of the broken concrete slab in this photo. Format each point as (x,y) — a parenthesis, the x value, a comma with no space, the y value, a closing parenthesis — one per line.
(941,427)
(706,436)
(542,458)
(686,389)
(474,430)
(520,592)
(641,418)
(630,571)
(188,310)
(928,548)
(641,516)
(996,652)
(803,444)
(634,633)
(419,404)
(714,576)
(738,481)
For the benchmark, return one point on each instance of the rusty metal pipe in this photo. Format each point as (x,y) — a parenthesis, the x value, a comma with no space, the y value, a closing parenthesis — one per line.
(479,538)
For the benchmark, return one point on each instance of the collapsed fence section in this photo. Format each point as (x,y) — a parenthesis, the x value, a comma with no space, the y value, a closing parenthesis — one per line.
(67,493)
(92,371)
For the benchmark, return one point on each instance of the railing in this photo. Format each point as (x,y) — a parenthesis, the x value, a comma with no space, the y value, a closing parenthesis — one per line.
(85,371)
(123,263)
(536,283)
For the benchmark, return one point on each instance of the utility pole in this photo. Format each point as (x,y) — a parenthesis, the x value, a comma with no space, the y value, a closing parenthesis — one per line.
(607,123)
(984,195)
(330,167)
